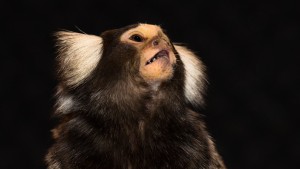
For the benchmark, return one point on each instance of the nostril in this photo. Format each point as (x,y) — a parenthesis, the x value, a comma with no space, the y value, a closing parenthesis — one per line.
(155,42)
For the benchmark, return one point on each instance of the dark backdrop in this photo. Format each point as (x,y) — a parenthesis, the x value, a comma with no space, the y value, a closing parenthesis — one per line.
(250,49)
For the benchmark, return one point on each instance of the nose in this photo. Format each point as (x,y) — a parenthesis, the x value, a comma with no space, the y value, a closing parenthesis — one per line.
(160,42)
(155,42)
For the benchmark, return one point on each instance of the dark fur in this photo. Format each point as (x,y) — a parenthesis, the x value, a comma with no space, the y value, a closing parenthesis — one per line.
(119,122)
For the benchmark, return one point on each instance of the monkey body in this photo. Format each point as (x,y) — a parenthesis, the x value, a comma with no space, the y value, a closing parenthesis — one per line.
(124,103)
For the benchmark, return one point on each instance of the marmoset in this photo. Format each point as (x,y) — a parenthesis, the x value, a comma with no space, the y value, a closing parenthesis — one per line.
(126,100)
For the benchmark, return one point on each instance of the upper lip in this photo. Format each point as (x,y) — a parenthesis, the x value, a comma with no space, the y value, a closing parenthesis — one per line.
(162,53)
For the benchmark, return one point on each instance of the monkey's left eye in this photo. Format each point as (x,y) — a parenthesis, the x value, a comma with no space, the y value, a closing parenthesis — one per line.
(136,38)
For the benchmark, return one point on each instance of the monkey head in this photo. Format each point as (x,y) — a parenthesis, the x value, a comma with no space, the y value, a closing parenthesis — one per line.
(140,51)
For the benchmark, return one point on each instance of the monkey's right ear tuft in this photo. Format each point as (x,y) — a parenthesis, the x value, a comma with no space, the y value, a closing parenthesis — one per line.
(78,55)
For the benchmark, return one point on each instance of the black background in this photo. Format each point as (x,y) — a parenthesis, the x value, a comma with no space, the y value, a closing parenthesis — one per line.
(250,50)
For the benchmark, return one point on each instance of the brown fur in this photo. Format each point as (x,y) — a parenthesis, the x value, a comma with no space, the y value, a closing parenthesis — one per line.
(113,116)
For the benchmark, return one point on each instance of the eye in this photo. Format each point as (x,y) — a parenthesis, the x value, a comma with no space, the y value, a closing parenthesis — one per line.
(136,38)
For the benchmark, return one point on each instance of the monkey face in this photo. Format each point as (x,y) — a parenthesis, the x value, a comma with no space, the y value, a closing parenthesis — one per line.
(155,52)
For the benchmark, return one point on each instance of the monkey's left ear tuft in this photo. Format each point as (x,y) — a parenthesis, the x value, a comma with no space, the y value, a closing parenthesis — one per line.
(195,78)
(78,55)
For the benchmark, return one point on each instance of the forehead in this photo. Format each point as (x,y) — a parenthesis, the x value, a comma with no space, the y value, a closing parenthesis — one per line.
(146,30)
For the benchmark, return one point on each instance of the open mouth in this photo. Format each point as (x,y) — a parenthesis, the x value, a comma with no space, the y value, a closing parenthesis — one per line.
(160,54)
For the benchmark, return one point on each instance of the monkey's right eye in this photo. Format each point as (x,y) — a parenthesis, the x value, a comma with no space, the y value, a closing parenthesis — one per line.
(136,38)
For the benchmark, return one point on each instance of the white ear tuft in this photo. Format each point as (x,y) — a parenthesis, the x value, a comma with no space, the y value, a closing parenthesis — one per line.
(194,76)
(78,56)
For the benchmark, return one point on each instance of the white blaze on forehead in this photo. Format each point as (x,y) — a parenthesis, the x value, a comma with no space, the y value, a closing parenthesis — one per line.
(79,54)
(150,30)
(194,75)
(146,30)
